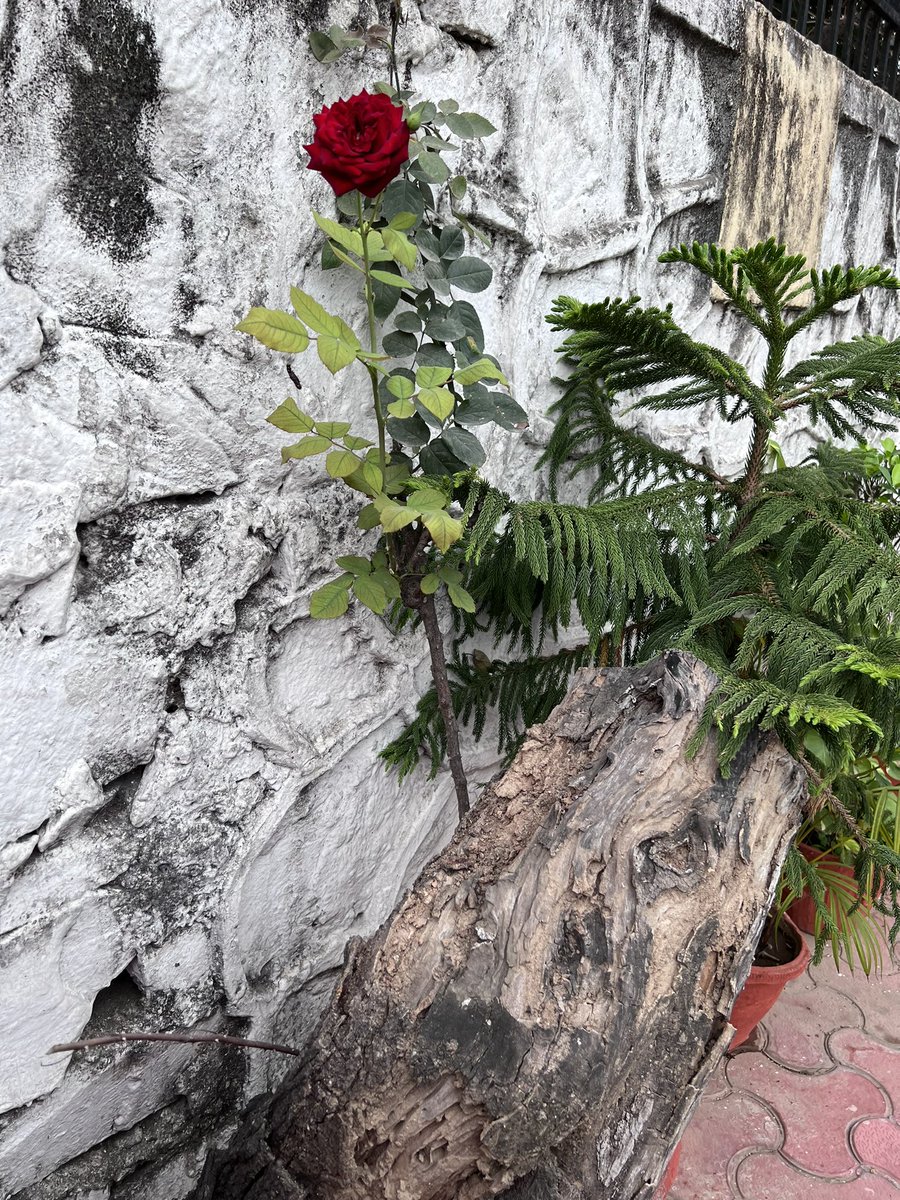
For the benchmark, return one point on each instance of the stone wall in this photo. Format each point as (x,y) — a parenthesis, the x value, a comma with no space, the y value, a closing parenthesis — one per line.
(192,818)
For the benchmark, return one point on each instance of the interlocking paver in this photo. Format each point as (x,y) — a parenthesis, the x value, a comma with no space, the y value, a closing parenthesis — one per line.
(798,1025)
(815,1110)
(857,1049)
(722,1129)
(877,996)
(877,1144)
(770,1177)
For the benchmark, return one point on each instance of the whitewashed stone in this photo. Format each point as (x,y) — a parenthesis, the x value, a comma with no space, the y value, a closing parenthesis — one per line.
(192,816)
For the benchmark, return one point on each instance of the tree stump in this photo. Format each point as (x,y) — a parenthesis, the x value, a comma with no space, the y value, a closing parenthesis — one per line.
(541,1011)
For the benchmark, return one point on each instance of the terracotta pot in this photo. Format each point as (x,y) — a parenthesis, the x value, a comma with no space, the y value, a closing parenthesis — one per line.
(763,987)
(662,1188)
(803,912)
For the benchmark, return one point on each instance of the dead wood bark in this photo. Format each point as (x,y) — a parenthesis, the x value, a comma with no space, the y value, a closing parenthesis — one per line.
(542,1009)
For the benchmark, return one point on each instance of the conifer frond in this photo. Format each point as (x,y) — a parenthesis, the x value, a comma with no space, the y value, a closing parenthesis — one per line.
(523,693)
(835,285)
(587,439)
(630,348)
(849,386)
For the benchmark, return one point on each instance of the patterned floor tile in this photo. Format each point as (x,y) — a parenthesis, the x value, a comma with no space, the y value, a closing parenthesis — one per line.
(877,996)
(855,1048)
(722,1128)
(815,1110)
(798,1025)
(769,1177)
(877,1144)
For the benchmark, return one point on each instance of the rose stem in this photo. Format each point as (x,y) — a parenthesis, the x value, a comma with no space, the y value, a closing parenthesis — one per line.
(373,337)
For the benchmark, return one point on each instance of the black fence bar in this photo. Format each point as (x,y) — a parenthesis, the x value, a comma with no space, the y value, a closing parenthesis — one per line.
(864,34)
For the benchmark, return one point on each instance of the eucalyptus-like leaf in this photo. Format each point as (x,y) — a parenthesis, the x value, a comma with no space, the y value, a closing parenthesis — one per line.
(465,446)
(469,125)
(469,274)
(276,329)
(305,447)
(332,599)
(402,196)
(400,345)
(290,418)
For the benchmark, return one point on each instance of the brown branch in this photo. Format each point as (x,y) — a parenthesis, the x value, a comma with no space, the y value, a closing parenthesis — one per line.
(202,1036)
(445,701)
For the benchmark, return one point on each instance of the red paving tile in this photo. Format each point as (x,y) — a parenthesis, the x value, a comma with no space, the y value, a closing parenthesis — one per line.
(799,1024)
(855,1048)
(722,1129)
(769,1177)
(815,1110)
(877,1144)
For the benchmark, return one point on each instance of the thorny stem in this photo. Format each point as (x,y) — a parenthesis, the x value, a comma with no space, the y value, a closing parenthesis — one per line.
(202,1036)
(396,18)
(373,337)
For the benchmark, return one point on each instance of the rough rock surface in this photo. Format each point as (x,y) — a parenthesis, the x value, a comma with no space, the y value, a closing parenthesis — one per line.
(192,822)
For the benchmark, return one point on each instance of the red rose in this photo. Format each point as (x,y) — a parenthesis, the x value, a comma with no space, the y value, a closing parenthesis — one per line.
(360,143)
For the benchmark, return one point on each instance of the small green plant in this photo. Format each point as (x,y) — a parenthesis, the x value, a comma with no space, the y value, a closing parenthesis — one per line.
(399,232)
(785,579)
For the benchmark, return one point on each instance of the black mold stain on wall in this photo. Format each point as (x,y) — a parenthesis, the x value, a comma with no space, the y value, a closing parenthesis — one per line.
(112,68)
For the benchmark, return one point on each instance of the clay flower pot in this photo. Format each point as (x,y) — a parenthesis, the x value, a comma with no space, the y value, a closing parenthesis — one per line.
(662,1188)
(803,912)
(765,984)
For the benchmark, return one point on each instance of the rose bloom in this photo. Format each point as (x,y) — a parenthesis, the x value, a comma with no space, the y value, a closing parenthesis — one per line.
(360,143)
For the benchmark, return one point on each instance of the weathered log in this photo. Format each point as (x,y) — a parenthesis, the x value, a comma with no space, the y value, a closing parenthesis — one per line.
(540,1012)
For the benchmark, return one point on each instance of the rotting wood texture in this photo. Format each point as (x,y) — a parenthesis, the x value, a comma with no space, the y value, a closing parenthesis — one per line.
(540,1012)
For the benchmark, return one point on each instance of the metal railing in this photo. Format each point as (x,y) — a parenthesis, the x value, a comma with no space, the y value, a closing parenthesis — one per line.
(864,34)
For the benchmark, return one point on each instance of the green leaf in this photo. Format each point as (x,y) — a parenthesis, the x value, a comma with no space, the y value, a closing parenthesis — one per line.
(437,278)
(444,529)
(410,431)
(400,345)
(445,326)
(400,247)
(433,355)
(427,499)
(323,48)
(344,258)
(402,196)
(370,592)
(401,409)
(390,278)
(408,322)
(389,582)
(432,377)
(312,313)
(402,220)
(386,299)
(508,414)
(340,463)
(458,187)
(356,443)
(477,408)
(470,274)
(432,167)
(367,517)
(348,238)
(448,106)
(482,369)
(468,315)
(332,599)
(459,597)
(372,475)
(429,244)
(304,448)
(333,429)
(452,242)
(438,401)
(355,564)
(276,329)
(469,125)
(429,584)
(329,259)
(401,387)
(290,418)
(464,445)
(338,350)
(395,516)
